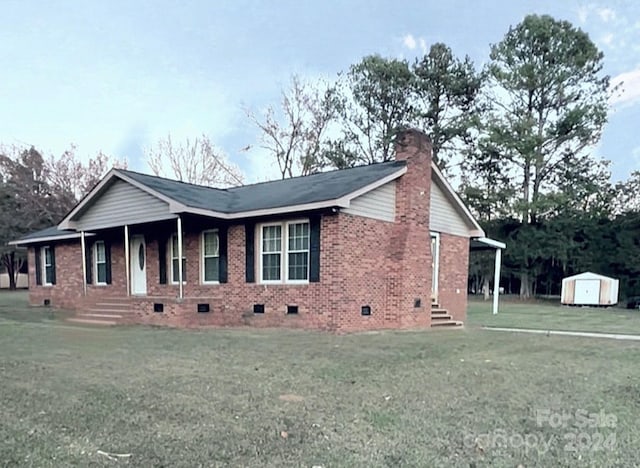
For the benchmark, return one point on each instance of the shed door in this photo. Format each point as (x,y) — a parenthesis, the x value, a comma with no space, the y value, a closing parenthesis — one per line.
(587,291)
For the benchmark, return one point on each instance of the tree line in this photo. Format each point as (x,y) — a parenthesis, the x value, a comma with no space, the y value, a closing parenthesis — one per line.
(516,135)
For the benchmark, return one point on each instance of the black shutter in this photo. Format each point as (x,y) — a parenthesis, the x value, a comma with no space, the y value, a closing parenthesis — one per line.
(162,260)
(53,264)
(38,267)
(314,248)
(107,259)
(89,262)
(250,235)
(222,260)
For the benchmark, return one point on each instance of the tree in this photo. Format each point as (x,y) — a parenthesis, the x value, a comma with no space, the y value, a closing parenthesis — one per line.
(627,194)
(377,101)
(36,193)
(447,90)
(71,179)
(549,105)
(295,134)
(196,162)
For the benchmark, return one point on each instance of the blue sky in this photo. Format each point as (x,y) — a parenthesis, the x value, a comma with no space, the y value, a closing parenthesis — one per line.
(117,75)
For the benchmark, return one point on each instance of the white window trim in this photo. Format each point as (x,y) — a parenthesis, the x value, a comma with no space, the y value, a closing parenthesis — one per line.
(436,264)
(202,256)
(95,263)
(170,253)
(284,252)
(44,265)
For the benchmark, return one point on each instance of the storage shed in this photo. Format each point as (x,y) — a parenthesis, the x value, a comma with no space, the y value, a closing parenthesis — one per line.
(589,289)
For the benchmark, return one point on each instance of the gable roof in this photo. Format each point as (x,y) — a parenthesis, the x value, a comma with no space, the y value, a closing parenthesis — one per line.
(456,201)
(321,190)
(588,275)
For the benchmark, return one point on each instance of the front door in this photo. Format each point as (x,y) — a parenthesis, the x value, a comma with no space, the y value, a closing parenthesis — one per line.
(138,266)
(435,265)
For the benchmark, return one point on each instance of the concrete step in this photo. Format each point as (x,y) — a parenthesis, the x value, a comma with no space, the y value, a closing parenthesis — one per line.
(441,317)
(110,311)
(447,323)
(99,315)
(82,321)
(437,310)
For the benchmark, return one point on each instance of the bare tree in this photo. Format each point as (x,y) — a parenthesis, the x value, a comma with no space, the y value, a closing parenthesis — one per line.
(72,178)
(295,132)
(197,162)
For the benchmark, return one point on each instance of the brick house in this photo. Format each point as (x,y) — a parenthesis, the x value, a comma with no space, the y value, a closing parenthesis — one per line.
(371,247)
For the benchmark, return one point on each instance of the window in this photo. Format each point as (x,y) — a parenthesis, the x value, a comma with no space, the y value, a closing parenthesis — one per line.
(210,257)
(100,267)
(47,265)
(286,261)
(298,254)
(271,253)
(174,261)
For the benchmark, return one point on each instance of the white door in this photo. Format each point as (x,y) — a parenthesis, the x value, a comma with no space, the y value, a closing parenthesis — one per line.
(435,264)
(138,259)
(587,292)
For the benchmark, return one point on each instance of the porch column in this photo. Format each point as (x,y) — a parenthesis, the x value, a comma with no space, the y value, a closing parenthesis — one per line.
(496,280)
(84,263)
(180,257)
(127,263)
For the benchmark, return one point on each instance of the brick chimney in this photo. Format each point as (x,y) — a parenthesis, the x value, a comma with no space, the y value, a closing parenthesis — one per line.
(410,245)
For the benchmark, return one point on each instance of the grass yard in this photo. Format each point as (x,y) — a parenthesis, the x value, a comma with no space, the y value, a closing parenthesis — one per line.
(548,315)
(261,398)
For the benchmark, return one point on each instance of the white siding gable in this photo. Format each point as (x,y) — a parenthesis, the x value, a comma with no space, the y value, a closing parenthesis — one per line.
(122,203)
(379,203)
(443,215)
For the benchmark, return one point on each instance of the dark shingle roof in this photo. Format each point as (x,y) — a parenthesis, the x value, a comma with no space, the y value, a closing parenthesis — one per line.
(267,195)
(48,233)
(314,188)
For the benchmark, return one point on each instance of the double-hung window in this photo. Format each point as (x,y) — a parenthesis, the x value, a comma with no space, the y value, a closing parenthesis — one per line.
(175,272)
(47,265)
(100,267)
(284,254)
(210,257)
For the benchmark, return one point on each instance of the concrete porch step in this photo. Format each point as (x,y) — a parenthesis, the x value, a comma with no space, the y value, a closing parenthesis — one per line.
(89,321)
(109,311)
(99,315)
(437,310)
(113,304)
(444,316)
(447,323)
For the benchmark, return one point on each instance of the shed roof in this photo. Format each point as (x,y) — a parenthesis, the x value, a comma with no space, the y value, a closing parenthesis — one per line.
(587,275)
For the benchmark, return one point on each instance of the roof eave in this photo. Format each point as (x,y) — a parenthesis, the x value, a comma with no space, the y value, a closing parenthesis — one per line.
(39,240)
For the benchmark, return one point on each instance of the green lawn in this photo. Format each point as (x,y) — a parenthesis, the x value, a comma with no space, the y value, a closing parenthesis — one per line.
(548,315)
(261,398)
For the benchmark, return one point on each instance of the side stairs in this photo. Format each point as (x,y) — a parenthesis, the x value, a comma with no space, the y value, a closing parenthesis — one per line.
(104,312)
(441,317)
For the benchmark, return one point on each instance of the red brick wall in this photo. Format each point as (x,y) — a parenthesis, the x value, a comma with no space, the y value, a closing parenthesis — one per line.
(363,261)
(452,275)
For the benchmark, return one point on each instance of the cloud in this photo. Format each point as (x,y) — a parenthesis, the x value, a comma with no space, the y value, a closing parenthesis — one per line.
(423,45)
(607,39)
(409,41)
(583,14)
(630,88)
(606,14)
